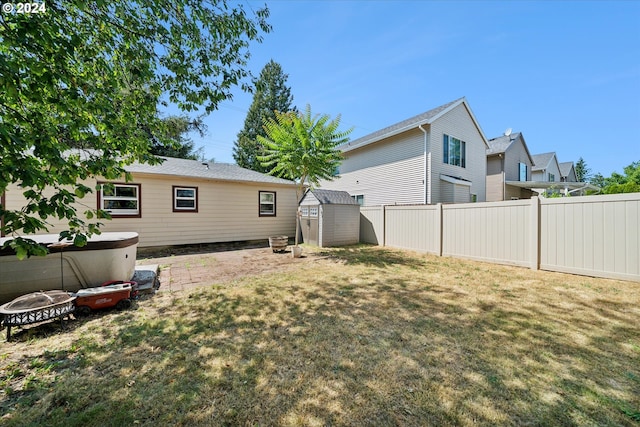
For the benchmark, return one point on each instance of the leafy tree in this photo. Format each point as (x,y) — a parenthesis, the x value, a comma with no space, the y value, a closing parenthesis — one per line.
(92,74)
(303,148)
(175,130)
(583,172)
(629,182)
(271,95)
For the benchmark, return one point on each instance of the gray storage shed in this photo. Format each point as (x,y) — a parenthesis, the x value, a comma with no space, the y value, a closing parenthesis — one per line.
(329,218)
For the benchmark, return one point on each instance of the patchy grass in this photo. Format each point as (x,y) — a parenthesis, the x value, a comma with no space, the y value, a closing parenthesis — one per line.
(357,336)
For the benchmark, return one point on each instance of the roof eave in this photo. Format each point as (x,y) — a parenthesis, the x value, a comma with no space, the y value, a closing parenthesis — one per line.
(414,125)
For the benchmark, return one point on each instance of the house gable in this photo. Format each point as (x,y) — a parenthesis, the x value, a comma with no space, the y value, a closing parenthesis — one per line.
(545,166)
(568,172)
(403,163)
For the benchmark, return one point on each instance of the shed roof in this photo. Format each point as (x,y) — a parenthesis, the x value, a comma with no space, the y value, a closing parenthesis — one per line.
(332,197)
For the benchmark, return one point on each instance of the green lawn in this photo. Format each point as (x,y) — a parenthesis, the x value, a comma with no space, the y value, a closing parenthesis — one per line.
(361,336)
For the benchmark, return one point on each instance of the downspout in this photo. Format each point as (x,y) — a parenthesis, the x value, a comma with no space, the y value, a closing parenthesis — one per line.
(504,183)
(427,167)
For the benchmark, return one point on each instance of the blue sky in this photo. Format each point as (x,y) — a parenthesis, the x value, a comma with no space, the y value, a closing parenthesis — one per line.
(565,74)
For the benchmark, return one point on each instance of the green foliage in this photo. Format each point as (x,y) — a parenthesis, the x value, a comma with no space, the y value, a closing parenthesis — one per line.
(302,147)
(179,145)
(91,76)
(583,172)
(271,95)
(628,182)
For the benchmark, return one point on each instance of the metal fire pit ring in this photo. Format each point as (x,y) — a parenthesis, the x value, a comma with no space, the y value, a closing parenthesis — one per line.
(36,307)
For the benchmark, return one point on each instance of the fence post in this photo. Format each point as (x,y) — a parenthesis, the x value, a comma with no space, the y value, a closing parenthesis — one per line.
(384,225)
(535,233)
(440,223)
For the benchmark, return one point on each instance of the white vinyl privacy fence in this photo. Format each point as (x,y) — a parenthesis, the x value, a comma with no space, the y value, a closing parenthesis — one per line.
(593,235)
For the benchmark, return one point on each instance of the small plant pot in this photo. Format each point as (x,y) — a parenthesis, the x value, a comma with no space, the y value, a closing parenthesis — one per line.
(278,243)
(296,251)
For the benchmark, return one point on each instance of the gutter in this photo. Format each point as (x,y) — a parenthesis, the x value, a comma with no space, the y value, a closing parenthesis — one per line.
(427,167)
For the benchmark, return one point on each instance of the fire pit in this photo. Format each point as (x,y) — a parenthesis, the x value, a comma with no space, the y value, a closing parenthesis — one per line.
(36,307)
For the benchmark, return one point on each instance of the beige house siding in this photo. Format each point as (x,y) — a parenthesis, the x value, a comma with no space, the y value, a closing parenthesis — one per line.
(458,123)
(390,171)
(227,211)
(495,181)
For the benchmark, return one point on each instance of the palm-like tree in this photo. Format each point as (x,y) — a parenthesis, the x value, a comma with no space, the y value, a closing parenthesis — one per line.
(303,148)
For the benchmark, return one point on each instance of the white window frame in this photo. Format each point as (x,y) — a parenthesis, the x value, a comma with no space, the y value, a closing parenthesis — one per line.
(522,168)
(115,197)
(358,198)
(304,211)
(272,212)
(449,144)
(193,198)
(552,177)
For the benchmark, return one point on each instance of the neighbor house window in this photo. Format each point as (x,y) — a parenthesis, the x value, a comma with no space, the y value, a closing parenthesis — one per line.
(522,171)
(313,212)
(552,177)
(267,203)
(185,199)
(120,199)
(359,198)
(304,211)
(454,151)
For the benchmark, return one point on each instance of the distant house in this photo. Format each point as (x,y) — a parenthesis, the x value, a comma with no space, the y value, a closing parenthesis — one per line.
(545,168)
(435,157)
(567,172)
(189,202)
(508,160)
(550,177)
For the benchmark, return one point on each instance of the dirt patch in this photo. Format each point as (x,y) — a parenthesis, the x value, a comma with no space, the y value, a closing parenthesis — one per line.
(191,267)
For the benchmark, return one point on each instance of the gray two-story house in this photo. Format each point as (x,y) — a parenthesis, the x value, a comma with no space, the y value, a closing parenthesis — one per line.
(508,161)
(438,156)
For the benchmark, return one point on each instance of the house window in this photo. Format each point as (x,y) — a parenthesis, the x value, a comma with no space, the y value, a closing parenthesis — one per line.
(304,211)
(522,171)
(359,198)
(454,151)
(552,177)
(120,199)
(185,199)
(267,203)
(313,212)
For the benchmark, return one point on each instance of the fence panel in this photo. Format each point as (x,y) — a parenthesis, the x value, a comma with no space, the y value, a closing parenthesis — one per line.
(593,236)
(372,225)
(413,227)
(497,232)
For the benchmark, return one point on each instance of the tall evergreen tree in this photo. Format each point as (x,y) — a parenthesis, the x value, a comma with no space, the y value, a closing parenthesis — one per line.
(583,172)
(271,94)
(176,143)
